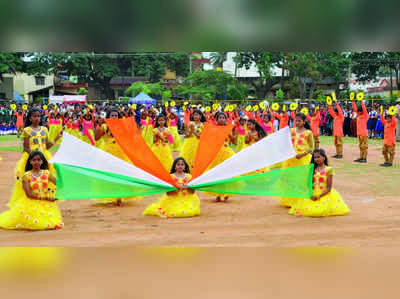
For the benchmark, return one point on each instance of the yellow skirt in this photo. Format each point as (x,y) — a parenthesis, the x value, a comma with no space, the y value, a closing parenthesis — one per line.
(148,135)
(181,204)
(19,172)
(240,143)
(163,153)
(54,132)
(188,151)
(114,149)
(176,146)
(29,214)
(86,138)
(68,130)
(331,204)
(224,153)
(293,162)
(76,133)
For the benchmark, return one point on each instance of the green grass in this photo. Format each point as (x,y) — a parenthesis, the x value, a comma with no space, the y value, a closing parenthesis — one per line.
(11,148)
(328,140)
(9,138)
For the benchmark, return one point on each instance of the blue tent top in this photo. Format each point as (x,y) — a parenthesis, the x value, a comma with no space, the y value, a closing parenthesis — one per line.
(142,98)
(18,98)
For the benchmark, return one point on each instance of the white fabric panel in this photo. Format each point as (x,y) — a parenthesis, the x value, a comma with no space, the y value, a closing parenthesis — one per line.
(266,152)
(74,151)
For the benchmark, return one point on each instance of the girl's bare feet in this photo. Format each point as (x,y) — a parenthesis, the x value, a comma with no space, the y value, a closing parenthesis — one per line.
(225,199)
(218,199)
(118,202)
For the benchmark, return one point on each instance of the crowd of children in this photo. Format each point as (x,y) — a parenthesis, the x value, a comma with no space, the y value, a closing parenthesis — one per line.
(33,205)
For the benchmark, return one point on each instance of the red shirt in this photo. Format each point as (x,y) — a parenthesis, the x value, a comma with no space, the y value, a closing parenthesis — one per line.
(284,120)
(390,131)
(314,122)
(338,120)
(362,119)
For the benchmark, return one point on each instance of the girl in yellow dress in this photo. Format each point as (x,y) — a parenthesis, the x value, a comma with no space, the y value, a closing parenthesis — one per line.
(35,208)
(240,132)
(75,126)
(55,126)
(225,153)
(326,201)
(146,127)
(87,131)
(192,137)
(303,144)
(161,140)
(110,145)
(181,203)
(67,123)
(35,138)
(173,127)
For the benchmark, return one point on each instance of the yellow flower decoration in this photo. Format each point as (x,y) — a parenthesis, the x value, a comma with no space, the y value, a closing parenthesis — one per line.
(185,103)
(248,108)
(284,108)
(90,106)
(360,96)
(215,106)
(316,108)
(392,110)
(13,106)
(25,107)
(55,107)
(45,107)
(304,110)
(293,106)
(329,100)
(172,104)
(255,108)
(166,104)
(262,106)
(352,96)
(208,109)
(184,108)
(275,106)
(133,106)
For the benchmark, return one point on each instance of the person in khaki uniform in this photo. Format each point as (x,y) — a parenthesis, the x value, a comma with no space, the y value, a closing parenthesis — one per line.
(338,120)
(362,132)
(389,141)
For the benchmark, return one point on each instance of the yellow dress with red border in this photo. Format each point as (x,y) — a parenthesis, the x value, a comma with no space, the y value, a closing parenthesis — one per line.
(162,150)
(224,154)
(147,131)
(55,128)
(241,138)
(180,203)
(302,142)
(37,141)
(190,145)
(173,128)
(31,214)
(330,204)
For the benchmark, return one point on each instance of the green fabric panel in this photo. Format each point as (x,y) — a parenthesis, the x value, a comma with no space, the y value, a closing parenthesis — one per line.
(288,182)
(74,182)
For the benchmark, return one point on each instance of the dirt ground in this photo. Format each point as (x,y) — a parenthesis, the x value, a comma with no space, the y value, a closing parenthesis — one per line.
(372,193)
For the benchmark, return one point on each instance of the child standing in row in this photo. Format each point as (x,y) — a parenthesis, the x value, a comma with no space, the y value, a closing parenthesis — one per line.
(389,141)
(161,140)
(303,144)
(362,132)
(338,120)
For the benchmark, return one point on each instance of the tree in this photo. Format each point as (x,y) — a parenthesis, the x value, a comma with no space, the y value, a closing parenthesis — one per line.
(266,62)
(153,89)
(10,63)
(366,65)
(217,59)
(211,84)
(153,65)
